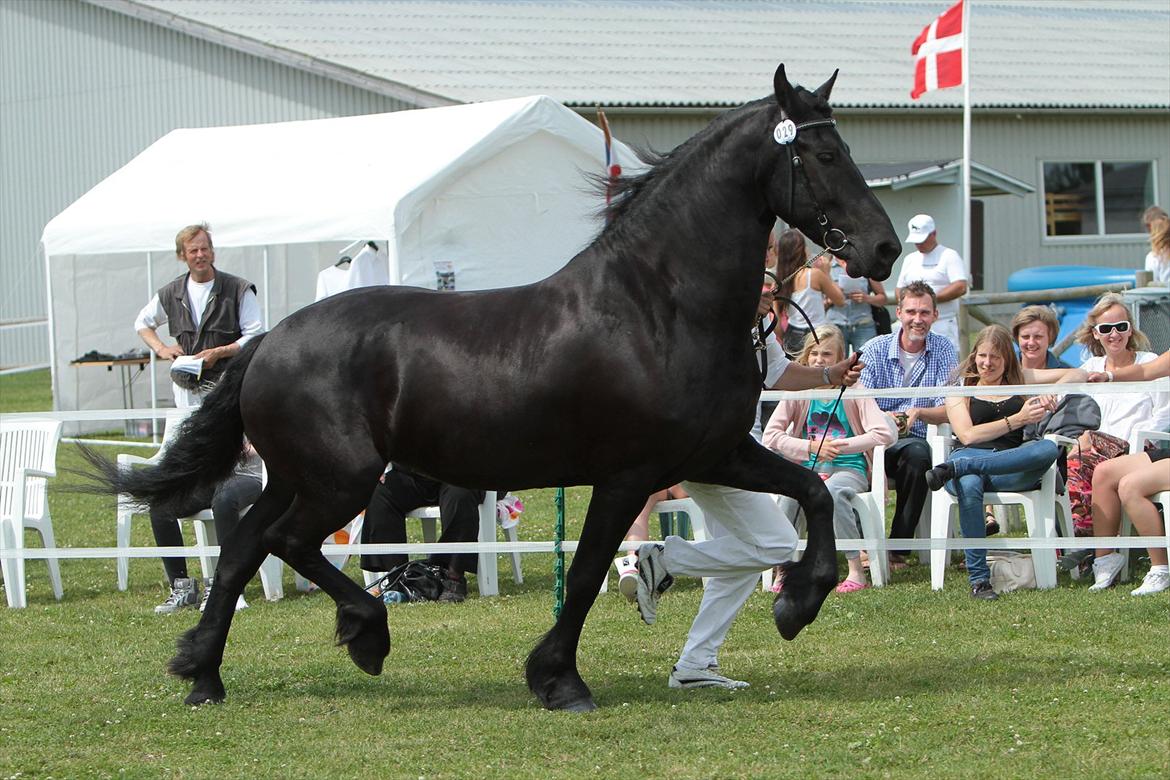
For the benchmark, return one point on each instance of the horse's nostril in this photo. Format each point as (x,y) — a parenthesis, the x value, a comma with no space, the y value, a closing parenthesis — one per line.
(889,251)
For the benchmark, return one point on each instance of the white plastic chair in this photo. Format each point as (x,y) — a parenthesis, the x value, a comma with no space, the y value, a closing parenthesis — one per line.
(487,576)
(28,458)
(1137,444)
(686,506)
(871,510)
(270,571)
(1040,512)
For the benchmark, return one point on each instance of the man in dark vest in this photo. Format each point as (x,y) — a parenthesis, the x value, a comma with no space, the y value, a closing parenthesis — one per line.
(211,314)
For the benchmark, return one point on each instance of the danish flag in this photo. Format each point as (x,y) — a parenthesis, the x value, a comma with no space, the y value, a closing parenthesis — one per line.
(938,53)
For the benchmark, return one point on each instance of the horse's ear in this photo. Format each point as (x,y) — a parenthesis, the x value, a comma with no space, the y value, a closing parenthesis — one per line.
(785,94)
(824,89)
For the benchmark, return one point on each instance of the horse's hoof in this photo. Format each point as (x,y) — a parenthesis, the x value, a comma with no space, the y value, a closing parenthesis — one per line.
(209,691)
(566,692)
(368,649)
(580,705)
(790,618)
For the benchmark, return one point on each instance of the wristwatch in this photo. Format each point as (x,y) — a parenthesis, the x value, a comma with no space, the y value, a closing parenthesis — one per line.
(825,374)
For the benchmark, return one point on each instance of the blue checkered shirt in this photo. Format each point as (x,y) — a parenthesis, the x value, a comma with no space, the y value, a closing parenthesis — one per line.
(883,370)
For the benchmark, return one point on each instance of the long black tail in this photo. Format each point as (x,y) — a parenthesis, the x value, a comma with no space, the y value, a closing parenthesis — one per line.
(204,453)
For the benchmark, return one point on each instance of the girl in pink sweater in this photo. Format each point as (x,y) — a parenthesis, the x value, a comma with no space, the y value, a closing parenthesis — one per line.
(845,438)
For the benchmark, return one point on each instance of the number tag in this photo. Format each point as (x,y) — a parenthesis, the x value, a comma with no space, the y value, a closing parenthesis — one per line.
(785,132)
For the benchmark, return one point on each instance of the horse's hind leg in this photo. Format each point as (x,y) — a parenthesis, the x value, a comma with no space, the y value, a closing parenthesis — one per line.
(200,650)
(552,665)
(296,538)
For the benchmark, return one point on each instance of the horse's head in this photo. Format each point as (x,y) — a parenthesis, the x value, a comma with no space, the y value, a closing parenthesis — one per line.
(815,186)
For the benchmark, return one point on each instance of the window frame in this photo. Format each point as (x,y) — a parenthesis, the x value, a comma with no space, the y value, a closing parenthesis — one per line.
(1099,201)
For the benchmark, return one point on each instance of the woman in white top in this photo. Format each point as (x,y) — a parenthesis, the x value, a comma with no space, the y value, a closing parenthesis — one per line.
(1157,224)
(806,287)
(1108,333)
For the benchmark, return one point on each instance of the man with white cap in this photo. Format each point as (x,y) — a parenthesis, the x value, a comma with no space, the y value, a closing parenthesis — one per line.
(942,268)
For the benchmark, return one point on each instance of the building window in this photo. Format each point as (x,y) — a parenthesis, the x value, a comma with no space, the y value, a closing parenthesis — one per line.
(1096,198)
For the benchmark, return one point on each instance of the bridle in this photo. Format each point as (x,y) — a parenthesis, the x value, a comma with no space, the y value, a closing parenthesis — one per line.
(785,133)
(832,239)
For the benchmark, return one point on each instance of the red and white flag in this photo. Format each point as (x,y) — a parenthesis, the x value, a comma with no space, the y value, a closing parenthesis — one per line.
(938,53)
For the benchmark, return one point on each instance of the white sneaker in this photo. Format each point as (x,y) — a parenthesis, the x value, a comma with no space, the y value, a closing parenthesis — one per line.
(653,580)
(627,569)
(1155,582)
(1105,570)
(703,678)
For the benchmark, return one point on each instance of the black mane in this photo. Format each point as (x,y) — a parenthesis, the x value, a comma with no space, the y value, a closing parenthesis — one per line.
(625,190)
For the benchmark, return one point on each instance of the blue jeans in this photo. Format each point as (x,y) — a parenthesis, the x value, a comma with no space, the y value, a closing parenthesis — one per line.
(976,471)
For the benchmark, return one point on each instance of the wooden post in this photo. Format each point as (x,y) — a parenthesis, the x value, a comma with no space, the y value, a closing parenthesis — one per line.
(964,330)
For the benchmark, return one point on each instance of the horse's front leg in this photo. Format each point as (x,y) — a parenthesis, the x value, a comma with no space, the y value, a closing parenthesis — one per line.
(200,649)
(551,670)
(750,466)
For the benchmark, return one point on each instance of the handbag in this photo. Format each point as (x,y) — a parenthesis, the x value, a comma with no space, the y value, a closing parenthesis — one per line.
(415,580)
(1011,570)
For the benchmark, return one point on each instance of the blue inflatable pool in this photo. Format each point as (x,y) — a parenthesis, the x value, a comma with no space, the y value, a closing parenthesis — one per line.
(1059,277)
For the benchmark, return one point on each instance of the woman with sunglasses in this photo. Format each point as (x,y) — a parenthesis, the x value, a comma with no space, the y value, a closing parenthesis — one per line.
(1115,345)
(835,440)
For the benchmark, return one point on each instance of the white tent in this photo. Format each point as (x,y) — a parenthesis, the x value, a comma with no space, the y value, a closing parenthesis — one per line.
(493,193)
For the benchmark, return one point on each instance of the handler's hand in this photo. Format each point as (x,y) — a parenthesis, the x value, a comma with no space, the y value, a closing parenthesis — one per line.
(847,372)
(765,304)
(169,353)
(210,356)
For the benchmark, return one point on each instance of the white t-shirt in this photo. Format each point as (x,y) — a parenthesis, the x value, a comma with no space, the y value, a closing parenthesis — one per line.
(1123,413)
(1159,267)
(939,267)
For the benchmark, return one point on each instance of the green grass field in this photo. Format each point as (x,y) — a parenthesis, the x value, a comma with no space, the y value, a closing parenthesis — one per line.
(898,682)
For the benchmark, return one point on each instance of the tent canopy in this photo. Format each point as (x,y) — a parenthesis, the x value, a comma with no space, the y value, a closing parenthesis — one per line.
(489,195)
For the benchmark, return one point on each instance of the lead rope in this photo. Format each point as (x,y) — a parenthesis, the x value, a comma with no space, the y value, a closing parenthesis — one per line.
(833,410)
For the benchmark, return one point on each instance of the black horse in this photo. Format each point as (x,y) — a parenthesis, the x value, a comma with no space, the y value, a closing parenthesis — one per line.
(630,369)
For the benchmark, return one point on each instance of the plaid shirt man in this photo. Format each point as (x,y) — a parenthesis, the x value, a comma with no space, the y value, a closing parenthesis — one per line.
(883,369)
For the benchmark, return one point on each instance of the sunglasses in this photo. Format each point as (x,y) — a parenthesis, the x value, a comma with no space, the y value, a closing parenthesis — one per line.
(1105,328)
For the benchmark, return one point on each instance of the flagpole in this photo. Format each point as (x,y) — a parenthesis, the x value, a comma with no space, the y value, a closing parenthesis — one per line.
(966,205)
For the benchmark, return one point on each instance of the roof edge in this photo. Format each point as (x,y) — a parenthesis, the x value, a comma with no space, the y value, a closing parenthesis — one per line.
(299,61)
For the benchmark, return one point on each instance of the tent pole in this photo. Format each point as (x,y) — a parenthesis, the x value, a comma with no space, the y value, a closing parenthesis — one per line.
(53,378)
(153,376)
(267,319)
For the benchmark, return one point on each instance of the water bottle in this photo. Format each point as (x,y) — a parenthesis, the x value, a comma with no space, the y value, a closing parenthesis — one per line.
(394,597)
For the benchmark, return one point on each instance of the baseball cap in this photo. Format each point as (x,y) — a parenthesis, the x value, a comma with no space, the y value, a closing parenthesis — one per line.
(920,227)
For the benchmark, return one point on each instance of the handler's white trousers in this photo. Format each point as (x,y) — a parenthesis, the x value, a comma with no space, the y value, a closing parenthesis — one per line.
(747,533)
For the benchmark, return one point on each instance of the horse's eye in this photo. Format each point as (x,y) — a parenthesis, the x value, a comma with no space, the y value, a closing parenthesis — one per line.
(826,157)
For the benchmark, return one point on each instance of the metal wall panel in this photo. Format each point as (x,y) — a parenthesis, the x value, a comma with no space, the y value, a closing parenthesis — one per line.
(84,89)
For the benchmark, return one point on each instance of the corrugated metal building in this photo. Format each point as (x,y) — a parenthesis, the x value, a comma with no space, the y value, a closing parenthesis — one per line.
(1071,125)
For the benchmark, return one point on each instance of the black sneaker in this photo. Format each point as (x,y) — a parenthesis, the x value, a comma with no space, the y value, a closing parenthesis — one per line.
(983,590)
(939,475)
(454,588)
